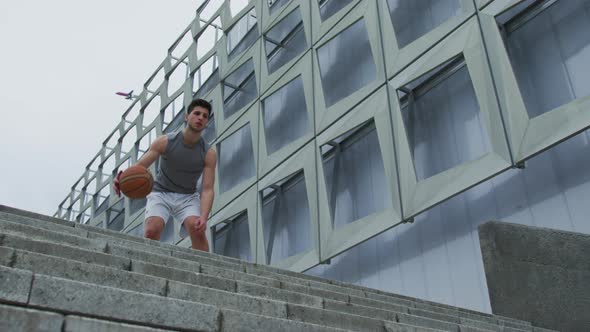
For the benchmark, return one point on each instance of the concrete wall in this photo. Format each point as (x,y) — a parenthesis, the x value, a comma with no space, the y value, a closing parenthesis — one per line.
(538,274)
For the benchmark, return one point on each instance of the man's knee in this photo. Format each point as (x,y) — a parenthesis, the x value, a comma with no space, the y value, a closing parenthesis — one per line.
(153,228)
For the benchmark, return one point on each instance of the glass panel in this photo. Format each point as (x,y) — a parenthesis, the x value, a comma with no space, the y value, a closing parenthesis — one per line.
(178,77)
(128,140)
(137,231)
(284,114)
(442,119)
(208,37)
(549,47)
(236,159)
(413,19)
(331,7)
(206,77)
(346,63)
(233,238)
(355,175)
(209,133)
(285,41)
(242,35)
(239,89)
(276,5)
(286,219)
(116,217)
(136,205)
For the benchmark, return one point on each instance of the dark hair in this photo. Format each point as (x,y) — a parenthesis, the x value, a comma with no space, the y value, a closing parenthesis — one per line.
(199,102)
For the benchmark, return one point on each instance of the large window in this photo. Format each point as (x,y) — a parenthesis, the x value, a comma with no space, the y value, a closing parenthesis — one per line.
(442,119)
(412,19)
(346,63)
(355,175)
(275,5)
(232,237)
(236,159)
(239,89)
(549,46)
(284,114)
(116,217)
(285,41)
(242,35)
(286,218)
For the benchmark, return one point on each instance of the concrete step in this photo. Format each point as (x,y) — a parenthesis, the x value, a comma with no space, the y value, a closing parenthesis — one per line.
(122,242)
(219,275)
(94,274)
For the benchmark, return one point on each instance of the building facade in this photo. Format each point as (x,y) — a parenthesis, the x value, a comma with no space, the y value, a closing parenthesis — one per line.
(366,140)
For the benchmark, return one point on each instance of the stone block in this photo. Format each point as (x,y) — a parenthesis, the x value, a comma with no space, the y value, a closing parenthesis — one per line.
(16,285)
(83,324)
(333,319)
(110,303)
(237,321)
(279,294)
(17,319)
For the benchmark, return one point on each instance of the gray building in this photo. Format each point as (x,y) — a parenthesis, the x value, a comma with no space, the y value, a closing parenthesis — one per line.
(366,140)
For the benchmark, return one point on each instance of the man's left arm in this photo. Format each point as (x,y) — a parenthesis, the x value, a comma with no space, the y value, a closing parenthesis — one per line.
(207,192)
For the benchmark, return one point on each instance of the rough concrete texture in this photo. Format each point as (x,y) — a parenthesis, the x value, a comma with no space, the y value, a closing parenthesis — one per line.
(80,324)
(538,274)
(89,273)
(333,319)
(115,304)
(16,319)
(241,321)
(16,285)
(64,251)
(227,300)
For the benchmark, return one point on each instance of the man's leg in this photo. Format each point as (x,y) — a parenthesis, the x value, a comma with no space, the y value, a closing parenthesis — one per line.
(153,228)
(198,239)
(156,213)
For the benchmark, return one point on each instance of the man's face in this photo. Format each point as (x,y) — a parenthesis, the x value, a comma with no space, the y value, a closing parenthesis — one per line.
(198,118)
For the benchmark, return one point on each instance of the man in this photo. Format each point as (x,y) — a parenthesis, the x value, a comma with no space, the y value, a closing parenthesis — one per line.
(184,156)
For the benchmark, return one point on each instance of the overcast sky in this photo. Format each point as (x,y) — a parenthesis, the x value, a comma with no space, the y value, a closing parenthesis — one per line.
(62,62)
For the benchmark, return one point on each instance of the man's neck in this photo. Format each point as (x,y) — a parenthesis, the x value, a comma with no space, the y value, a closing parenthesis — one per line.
(190,136)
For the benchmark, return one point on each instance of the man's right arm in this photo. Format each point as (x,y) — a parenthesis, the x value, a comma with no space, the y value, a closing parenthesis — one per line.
(157,148)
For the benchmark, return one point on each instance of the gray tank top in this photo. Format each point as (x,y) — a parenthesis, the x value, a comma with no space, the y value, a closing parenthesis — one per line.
(181,165)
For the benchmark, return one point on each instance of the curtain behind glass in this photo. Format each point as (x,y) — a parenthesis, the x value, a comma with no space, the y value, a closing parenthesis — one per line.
(360,185)
(414,18)
(550,56)
(346,63)
(444,126)
(290,214)
(236,159)
(284,114)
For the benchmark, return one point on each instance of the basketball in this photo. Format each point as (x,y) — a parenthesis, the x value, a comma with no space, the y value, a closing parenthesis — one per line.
(136,182)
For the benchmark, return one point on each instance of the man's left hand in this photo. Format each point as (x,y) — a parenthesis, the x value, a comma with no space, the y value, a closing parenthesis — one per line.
(201,224)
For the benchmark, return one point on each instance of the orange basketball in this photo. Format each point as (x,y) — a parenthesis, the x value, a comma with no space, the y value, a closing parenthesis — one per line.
(136,182)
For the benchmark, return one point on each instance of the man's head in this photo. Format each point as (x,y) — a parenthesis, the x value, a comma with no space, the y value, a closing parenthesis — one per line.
(197,114)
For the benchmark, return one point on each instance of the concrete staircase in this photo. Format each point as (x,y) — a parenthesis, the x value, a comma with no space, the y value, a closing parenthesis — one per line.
(60,276)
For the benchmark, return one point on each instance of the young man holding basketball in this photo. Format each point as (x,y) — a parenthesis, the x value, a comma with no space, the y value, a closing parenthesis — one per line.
(184,156)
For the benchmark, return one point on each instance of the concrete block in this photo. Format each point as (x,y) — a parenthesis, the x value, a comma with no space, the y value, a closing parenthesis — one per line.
(279,294)
(89,273)
(208,260)
(377,304)
(153,258)
(64,251)
(17,319)
(227,300)
(333,319)
(15,211)
(359,310)
(465,322)
(426,322)
(6,255)
(239,276)
(397,327)
(119,242)
(16,285)
(434,315)
(389,299)
(110,303)
(315,292)
(51,226)
(237,321)
(83,324)
(50,236)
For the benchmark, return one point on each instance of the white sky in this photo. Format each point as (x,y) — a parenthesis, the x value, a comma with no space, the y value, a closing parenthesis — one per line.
(61,63)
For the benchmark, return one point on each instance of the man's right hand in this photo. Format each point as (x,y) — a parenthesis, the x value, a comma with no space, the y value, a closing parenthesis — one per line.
(116,184)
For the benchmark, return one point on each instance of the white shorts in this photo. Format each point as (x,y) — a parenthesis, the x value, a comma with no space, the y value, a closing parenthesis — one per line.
(178,206)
